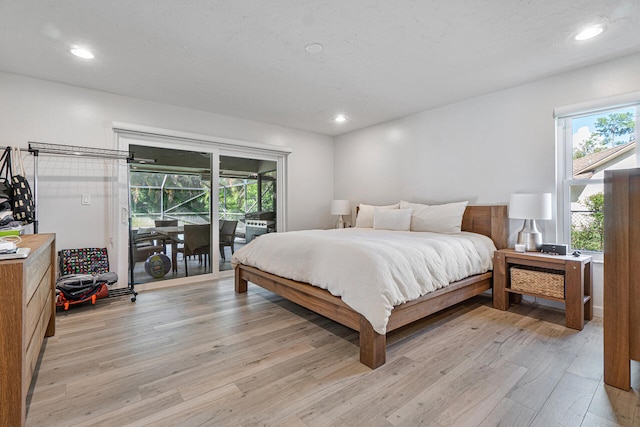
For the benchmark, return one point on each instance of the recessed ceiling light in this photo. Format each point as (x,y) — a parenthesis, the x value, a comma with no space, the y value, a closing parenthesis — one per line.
(82,53)
(313,48)
(589,33)
(340,118)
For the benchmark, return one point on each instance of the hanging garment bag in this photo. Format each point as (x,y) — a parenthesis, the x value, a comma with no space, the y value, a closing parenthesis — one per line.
(23,207)
(5,178)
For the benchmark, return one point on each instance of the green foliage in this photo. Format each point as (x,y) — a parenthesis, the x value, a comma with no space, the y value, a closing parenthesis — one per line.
(589,234)
(189,195)
(615,124)
(182,194)
(237,198)
(595,144)
(607,129)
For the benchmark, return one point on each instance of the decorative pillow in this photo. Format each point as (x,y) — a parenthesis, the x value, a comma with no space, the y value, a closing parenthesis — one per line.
(445,218)
(392,219)
(365,214)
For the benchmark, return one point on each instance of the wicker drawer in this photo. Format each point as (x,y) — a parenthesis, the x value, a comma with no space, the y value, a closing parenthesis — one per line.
(538,281)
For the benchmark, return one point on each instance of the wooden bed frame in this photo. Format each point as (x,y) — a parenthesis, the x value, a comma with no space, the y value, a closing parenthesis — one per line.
(487,220)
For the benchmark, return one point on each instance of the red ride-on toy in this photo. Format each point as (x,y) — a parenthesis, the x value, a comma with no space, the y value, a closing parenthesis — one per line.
(79,288)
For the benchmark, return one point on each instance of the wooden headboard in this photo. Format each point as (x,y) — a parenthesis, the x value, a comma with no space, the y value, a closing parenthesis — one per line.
(492,221)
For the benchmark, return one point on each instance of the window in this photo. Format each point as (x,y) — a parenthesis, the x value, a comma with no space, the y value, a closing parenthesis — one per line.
(590,143)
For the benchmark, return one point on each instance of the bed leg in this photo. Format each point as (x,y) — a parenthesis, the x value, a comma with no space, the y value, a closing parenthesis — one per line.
(241,284)
(373,346)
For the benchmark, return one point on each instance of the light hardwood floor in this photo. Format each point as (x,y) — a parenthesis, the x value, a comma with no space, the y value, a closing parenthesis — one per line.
(202,355)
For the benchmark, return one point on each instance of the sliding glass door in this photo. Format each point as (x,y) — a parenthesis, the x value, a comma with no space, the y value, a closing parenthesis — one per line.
(167,222)
(170,209)
(225,193)
(247,202)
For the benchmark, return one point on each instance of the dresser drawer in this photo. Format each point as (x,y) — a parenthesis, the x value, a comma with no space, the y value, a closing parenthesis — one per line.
(36,269)
(41,297)
(33,348)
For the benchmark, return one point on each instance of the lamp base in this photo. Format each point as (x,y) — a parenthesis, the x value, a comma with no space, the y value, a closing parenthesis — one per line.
(340,223)
(530,237)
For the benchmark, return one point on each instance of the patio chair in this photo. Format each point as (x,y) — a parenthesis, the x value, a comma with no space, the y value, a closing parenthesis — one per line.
(144,245)
(165,223)
(227,236)
(197,241)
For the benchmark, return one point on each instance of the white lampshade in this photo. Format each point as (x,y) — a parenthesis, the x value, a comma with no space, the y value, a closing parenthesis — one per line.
(340,207)
(530,206)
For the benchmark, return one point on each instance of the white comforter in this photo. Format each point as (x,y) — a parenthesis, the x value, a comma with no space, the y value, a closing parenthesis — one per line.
(371,270)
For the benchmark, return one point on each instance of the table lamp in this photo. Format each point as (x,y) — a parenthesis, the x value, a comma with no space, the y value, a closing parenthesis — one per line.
(530,206)
(340,207)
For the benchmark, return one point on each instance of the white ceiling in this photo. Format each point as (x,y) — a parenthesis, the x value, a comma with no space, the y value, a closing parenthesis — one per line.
(246,58)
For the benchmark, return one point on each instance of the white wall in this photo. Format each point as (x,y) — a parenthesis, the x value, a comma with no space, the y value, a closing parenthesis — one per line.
(37,110)
(482,149)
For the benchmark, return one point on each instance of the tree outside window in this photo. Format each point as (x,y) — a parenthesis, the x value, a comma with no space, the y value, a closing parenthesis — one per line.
(587,231)
(601,142)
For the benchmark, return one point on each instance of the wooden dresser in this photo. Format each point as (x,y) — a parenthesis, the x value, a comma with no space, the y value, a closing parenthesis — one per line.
(27,315)
(621,275)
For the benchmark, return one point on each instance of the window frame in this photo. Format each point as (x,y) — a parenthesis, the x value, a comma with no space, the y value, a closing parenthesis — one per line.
(564,165)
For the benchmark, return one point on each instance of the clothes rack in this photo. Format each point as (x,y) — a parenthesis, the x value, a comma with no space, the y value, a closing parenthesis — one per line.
(37,148)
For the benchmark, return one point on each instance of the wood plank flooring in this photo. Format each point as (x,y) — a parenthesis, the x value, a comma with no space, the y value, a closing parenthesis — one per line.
(202,355)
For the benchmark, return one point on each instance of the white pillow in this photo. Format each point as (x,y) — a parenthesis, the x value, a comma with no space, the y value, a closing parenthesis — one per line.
(392,219)
(365,214)
(445,218)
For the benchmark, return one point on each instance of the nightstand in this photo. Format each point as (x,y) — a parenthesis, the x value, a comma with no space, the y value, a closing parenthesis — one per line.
(576,271)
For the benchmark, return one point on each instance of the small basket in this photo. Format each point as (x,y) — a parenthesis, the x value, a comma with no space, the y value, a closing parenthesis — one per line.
(539,281)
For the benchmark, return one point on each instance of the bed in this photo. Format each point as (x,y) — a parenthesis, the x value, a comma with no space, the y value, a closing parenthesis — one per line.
(490,221)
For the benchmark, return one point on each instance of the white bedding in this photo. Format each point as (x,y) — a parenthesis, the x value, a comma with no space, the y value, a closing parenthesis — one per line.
(371,270)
